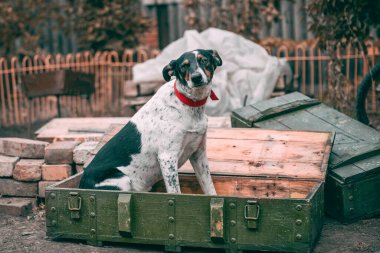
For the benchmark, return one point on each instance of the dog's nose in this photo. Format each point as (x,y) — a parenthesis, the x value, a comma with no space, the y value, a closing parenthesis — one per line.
(196,77)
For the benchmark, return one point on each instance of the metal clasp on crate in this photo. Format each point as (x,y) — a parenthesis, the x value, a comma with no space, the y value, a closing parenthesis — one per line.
(74,203)
(252,213)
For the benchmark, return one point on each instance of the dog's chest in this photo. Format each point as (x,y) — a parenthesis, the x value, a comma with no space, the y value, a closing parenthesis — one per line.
(191,143)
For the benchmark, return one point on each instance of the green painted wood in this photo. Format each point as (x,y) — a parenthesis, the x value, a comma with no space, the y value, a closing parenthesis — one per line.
(252,214)
(369,151)
(346,174)
(355,154)
(317,215)
(124,212)
(348,125)
(217,219)
(333,198)
(151,220)
(271,108)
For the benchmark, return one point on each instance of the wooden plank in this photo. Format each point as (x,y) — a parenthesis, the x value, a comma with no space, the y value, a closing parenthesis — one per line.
(279,101)
(262,169)
(346,172)
(346,124)
(267,135)
(58,129)
(246,187)
(272,124)
(370,164)
(249,113)
(257,151)
(63,129)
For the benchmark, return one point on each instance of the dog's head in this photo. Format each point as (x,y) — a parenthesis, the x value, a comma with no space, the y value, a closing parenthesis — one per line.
(194,69)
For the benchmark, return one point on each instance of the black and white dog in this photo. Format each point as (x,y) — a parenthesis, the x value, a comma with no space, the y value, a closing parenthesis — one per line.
(163,134)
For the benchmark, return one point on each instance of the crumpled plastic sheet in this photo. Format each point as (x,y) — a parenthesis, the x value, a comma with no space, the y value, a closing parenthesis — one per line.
(248,75)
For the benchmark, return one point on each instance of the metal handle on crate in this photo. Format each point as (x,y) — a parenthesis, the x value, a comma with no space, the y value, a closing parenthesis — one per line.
(74,204)
(252,213)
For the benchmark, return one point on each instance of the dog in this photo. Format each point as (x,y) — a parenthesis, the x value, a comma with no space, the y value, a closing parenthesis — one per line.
(167,131)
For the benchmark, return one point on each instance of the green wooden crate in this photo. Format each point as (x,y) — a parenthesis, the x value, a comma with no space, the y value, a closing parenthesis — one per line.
(353,178)
(270,197)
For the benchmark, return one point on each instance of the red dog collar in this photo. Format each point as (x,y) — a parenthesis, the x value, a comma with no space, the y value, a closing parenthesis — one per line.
(190,102)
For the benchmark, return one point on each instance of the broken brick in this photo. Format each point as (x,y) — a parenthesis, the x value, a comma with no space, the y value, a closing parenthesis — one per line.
(60,152)
(16,206)
(28,170)
(11,187)
(23,148)
(83,152)
(7,164)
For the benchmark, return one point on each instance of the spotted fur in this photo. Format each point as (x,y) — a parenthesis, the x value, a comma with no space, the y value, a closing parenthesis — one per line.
(162,135)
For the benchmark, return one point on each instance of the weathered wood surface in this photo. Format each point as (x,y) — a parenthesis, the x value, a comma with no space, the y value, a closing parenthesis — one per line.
(58,129)
(93,129)
(247,187)
(258,152)
(351,137)
(268,209)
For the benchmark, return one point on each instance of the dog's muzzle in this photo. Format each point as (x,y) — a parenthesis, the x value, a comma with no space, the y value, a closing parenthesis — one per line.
(197,79)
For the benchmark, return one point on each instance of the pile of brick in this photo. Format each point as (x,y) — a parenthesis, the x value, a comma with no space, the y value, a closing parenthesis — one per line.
(27,167)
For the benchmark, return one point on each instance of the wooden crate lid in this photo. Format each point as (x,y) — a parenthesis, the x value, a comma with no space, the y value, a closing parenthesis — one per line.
(355,153)
(93,129)
(267,153)
(274,107)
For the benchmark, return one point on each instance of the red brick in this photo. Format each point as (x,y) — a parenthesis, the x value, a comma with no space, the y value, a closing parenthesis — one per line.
(60,152)
(23,148)
(56,172)
(83,152)
(10,187)
(42,185)
(7,164)
(16,206)
(28,170)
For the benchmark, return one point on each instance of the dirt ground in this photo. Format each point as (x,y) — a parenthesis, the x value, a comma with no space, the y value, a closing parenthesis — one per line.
(27,234)
(24,235)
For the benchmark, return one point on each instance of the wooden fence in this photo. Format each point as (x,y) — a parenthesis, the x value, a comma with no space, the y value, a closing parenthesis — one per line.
(113,70)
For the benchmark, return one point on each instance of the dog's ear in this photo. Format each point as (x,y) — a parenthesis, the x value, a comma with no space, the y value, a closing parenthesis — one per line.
(216,58)
(169,70)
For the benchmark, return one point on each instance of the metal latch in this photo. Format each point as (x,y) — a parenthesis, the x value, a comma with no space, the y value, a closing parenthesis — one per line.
(217,219)
(252,213)
(124,214)
(74,203)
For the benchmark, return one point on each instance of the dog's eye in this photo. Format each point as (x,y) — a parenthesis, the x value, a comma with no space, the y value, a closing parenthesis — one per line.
(184,67)
(204,60)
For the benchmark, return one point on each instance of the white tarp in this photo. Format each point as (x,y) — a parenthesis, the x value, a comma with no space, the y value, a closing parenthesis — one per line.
(248,72)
